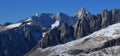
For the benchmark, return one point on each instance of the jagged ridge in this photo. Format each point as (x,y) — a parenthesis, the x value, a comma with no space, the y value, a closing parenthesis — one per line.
(66,29)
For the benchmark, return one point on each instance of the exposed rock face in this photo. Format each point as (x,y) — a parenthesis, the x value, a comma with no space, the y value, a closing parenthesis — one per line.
(106,18)
(85,25)
(48,40)
(81,28)
(60,35)
(43,20)
(15,42)
(82,13)
(66,29)
(66,33)
(18,40)
(116,15)
(105,42)
(25,34)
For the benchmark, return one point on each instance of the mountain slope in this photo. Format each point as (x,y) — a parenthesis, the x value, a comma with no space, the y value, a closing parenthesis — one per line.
(46,29)
(84,26)
(16,42)
(19,38)
(103,40)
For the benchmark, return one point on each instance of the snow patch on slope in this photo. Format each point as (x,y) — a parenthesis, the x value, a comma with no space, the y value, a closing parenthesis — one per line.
(29,23)
(29,19)
(43,34)
(56,24)
(13,25)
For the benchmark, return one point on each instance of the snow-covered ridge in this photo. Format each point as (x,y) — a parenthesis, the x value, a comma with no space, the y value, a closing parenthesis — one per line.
(29,19)
(13,26)
(92,41)
(50,21)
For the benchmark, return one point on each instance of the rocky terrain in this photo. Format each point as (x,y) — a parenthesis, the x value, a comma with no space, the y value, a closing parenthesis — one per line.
(105,42)
(46,30)
(85,25)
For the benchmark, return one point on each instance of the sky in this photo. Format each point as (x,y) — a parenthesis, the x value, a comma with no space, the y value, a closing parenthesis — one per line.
(15,10)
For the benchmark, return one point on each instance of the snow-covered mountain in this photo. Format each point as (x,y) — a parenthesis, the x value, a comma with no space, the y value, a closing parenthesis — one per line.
(19,38)
(104,42)
(46,30)
(50,21)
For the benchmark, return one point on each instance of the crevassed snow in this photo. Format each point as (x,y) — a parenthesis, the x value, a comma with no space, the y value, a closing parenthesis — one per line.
(13,25)
(56,24)
(94,40)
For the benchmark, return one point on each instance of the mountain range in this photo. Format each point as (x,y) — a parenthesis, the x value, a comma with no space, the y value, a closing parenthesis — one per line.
(49,34)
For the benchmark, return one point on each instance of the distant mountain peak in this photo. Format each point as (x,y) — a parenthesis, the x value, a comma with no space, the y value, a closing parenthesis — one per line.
(37,14)
(60,13)
(82,13)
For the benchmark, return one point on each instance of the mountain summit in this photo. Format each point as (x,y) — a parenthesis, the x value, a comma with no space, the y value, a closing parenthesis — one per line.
(82,13)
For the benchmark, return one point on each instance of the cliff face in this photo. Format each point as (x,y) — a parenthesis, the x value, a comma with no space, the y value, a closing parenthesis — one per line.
(17,39)
(57,35)
(85,25)
(16,42)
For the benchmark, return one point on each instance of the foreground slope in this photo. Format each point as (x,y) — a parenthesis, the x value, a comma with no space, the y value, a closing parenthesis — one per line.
(104,42)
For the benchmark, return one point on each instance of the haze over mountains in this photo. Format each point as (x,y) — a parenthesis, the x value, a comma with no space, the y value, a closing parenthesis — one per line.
(48,30)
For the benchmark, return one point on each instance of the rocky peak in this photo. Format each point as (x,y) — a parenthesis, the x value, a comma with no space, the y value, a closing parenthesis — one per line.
(60,16)
(115,11)
(105,12)
(82,13)
(106,18)
(37,14)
